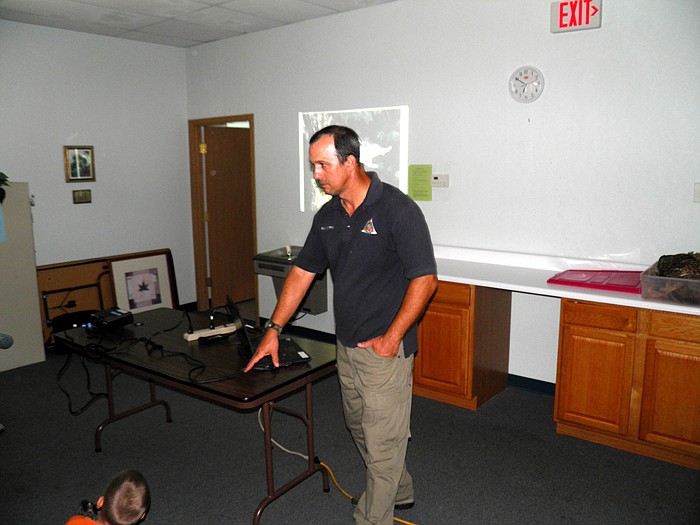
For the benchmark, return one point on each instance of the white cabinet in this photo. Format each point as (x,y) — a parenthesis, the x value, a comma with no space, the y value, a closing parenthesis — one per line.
(19,309)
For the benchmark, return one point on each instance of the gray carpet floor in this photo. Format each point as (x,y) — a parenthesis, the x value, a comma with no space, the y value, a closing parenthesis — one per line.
(503,464)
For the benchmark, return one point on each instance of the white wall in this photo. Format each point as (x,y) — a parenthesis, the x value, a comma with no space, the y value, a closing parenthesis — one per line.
(534,336)
(128,100)
(602,166)
(587,171)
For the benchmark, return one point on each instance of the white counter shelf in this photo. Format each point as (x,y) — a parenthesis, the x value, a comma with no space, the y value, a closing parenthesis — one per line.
(528,273)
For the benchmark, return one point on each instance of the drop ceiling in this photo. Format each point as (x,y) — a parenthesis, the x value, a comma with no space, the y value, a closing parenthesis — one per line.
(179,23)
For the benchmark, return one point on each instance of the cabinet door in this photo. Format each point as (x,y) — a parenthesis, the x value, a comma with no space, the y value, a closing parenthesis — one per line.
(595,378)
(671,396)
(442,360)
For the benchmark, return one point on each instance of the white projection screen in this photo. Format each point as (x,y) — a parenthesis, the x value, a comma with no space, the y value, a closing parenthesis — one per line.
(384,147)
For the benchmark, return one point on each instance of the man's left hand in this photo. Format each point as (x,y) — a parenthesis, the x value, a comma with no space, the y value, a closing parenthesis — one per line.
(382,346)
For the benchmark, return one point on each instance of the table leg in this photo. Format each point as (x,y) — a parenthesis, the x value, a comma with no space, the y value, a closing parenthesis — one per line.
(313,462)
(112,417)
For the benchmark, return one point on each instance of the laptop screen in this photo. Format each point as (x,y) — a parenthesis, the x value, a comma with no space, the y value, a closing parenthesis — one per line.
(237,320)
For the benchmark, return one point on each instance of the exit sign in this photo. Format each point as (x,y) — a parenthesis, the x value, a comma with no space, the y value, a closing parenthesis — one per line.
(575,15)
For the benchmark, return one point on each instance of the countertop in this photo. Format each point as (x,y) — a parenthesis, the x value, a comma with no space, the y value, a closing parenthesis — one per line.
(528,273)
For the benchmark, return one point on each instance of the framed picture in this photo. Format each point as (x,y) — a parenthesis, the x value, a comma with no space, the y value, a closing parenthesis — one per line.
(144,281)
(79,163)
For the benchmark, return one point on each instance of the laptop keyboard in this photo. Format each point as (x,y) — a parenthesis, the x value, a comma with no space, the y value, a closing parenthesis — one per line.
(282,354)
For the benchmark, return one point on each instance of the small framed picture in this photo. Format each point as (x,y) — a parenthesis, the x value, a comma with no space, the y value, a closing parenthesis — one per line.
(82,196)
(79,163)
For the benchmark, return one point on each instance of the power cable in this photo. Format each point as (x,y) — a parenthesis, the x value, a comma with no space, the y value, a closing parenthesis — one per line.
(324,465)
(94,396)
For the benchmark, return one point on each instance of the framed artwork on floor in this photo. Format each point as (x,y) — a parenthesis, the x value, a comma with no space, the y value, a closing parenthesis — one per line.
(144,282)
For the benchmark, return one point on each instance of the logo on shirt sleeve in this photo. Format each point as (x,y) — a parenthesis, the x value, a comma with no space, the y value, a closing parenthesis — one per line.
(369,228)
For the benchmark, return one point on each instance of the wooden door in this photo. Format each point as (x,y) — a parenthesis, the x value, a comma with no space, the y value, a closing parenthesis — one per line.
(670,413)
(223,208)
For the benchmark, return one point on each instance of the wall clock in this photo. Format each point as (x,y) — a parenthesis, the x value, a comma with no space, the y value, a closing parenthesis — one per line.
(526,84)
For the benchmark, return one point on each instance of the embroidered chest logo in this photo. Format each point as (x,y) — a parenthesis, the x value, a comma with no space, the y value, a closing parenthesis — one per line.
(369,228)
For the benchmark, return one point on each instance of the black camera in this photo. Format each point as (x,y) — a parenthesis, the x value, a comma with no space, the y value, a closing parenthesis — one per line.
(88,508)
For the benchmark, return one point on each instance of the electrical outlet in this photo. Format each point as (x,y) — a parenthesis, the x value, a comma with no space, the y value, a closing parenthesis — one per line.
(440,181)
(696,193)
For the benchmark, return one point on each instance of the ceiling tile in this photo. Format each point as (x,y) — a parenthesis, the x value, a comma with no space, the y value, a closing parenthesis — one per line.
(227,19)
(160,39)
(349,5)
(60,23)
(189,31)
(288,11)
(159,8)
(64,11)
(180,23)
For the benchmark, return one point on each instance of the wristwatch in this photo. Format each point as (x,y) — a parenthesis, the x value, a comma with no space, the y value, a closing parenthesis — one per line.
(270,324)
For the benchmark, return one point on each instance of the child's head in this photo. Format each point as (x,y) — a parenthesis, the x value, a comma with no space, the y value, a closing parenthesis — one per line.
(126,500)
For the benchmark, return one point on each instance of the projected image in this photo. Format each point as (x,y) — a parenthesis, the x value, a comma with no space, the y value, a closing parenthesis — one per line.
(384,147)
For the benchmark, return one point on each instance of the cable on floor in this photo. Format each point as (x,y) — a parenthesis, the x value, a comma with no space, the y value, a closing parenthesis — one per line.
(94,396)
(328,469)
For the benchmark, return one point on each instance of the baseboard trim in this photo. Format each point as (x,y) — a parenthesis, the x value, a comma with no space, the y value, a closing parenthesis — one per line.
(534,385)
(188,307)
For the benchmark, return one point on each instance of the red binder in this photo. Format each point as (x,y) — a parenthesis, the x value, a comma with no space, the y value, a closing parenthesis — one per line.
(613,280)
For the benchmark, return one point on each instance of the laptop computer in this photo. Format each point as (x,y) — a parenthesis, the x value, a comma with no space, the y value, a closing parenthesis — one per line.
(289,353)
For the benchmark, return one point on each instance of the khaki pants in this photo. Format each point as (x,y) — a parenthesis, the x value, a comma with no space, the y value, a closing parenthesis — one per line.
(377,394)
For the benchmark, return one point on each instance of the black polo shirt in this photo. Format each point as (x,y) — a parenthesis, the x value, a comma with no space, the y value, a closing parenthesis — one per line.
(372,256)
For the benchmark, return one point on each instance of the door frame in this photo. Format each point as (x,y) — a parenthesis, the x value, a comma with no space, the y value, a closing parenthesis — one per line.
(197,199)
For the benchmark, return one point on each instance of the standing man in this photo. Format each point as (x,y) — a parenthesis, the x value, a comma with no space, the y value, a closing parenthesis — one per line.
(377,245)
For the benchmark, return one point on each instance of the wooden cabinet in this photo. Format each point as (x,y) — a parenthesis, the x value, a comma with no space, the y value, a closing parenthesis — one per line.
(463,345)
(597,366)
(442,365)
(670,408)
(70,287)
(630,378)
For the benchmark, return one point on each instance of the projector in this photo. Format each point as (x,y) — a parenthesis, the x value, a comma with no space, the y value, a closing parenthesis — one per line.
(112,318)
